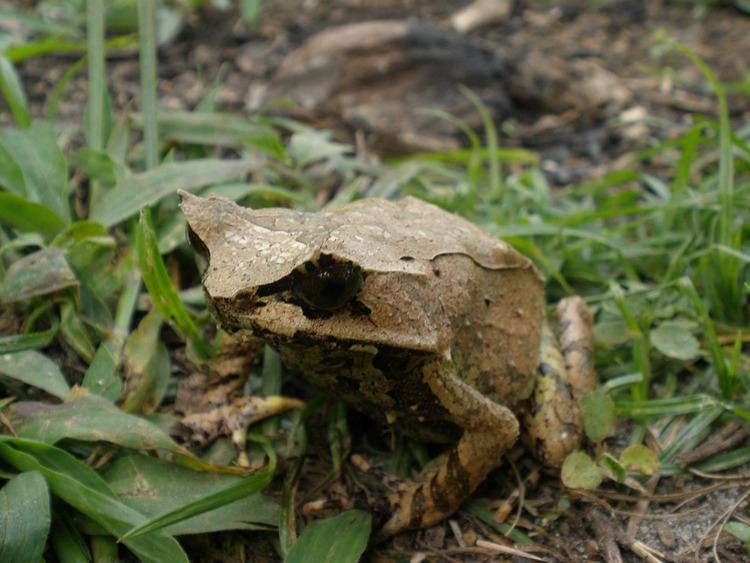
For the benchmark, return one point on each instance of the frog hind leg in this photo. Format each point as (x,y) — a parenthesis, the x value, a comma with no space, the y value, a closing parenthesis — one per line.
(489,430)
(574,329)
(553,420)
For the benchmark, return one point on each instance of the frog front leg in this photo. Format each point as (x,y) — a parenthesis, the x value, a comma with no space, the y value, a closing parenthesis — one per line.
(553,419)
(489,430)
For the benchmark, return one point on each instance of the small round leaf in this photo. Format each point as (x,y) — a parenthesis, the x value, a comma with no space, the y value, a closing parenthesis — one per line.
(674,340)
(598,410)
(580,472)
(640,459)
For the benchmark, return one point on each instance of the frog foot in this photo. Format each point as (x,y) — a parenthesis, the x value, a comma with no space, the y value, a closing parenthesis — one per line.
(234,419)
(489,430)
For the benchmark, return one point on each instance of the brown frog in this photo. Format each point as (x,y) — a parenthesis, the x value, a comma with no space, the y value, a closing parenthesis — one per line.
(414,316)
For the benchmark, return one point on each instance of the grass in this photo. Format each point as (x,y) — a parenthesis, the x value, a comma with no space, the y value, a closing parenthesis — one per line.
(663,262)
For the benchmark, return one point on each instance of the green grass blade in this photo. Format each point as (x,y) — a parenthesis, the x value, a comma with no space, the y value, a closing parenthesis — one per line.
(685,404)
(147,364)
(726,383)
(27,341)
(496,180)
(97,78)
(12,91)
(74,333)
(725,460)
(147,44)
(59,87)
(163,294)
(641,344)
(68,543)
(102,375)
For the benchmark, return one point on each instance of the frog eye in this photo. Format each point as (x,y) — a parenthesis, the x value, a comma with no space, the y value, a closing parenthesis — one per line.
(195,242)
(330,287)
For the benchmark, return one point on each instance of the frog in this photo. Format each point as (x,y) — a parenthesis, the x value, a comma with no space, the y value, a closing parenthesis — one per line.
(413,315)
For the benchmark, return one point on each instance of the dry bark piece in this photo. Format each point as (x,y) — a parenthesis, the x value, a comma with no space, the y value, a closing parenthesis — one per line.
(374,75)
(481,12)
(549,83)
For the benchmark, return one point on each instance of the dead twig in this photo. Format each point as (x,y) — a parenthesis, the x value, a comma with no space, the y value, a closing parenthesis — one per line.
(641,508)
(605,535)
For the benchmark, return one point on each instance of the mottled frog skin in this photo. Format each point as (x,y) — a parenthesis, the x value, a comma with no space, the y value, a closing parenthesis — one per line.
(412,315)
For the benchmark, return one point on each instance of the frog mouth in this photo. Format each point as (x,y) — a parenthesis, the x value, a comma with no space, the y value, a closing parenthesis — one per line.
(279,320)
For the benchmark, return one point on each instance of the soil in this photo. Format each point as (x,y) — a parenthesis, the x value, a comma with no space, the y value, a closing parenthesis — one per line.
(215,47)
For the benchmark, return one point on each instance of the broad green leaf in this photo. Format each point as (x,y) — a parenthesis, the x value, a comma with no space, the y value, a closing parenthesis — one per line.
(310,146)
(613,466)
(675,341)
(40,273)
(235,491)
(155,487)
(598,410)
(341,539)
(25,517)
(93,309)
(222,129)
(28,216)
(611,333)
(139,190)
(24,240)
(36,369)
(640,459)
(580,472)
(12,91)
(81,231)
(739,530)
(89,418)
(97,165)
(43,165)
(96,264)
(78,485)
(250,11)
(101,377)
(11,175)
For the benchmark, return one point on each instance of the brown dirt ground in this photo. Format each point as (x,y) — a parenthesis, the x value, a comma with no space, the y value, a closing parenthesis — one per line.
(215,44)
